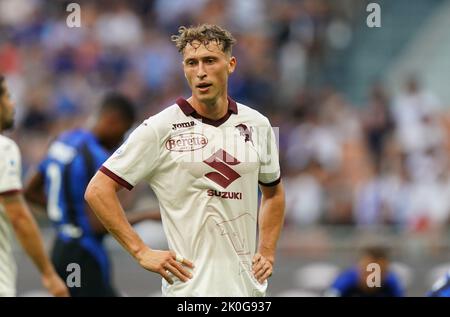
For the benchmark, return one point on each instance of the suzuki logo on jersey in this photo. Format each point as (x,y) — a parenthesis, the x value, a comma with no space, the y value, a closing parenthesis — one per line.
(245,132)
(221,161)
(176,126)
(225,195)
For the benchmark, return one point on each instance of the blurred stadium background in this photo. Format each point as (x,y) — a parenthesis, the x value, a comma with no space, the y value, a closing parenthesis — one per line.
(364,147)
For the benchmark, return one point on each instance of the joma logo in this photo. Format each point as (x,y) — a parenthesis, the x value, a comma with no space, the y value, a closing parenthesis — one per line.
(221,161)
(176,126)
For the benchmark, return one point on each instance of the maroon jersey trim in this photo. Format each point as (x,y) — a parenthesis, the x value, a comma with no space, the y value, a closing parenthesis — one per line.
(116,178)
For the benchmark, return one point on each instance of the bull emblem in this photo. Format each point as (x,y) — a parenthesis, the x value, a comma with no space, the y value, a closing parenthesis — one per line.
(245,132)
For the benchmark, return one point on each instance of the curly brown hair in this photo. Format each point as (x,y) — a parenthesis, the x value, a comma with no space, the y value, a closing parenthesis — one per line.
(205,34)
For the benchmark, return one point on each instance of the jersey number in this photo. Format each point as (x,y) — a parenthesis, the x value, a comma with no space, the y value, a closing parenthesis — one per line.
(54,174)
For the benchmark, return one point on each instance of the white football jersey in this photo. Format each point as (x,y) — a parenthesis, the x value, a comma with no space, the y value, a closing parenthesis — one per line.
(205,175)
(10,182)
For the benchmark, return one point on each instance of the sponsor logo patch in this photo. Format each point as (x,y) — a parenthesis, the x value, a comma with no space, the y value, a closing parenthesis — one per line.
(176,126)
(221,161)
(186,142)
(225,195)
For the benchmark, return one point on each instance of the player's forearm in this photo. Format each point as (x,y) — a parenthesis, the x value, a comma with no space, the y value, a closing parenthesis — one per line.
(35,198)
(29,236)
(270,223)
(34,191)
(104,202)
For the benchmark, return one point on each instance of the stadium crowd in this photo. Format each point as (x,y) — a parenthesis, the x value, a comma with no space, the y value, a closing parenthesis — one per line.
(384,162)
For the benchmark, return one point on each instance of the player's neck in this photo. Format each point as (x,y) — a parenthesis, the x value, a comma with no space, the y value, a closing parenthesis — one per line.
(213,110)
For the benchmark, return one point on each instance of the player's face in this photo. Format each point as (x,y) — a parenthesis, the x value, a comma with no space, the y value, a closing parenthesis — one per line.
(6,109)
(207,69)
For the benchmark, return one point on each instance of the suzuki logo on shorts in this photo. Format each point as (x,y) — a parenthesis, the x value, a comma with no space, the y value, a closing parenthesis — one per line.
(221,161)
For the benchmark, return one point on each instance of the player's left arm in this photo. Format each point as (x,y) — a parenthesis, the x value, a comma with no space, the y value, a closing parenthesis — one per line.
(271,218)
(29,236)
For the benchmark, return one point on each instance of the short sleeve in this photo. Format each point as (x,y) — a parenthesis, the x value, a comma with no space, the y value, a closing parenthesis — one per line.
(269,171)
(136,158)
(10,169)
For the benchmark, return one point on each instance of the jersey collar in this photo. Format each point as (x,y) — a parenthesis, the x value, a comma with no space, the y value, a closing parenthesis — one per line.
(188,110)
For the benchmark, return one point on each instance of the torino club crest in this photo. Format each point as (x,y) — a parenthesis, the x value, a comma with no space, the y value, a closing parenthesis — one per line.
(245,132)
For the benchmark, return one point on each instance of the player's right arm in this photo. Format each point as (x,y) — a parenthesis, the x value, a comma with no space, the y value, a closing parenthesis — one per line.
(132,217)
(34,191)
(101,195)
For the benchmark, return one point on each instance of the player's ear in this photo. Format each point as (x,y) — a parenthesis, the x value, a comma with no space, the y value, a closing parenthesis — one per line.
(232,65)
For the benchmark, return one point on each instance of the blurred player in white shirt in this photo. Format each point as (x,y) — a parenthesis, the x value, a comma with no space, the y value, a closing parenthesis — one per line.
(14,214)
(203,158)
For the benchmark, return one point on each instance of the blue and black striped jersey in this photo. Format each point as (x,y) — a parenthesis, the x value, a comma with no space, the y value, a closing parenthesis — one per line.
(72,160)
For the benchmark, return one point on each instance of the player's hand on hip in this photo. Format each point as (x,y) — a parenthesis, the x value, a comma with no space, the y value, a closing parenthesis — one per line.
(262,267)
(165,262)
(55,285)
